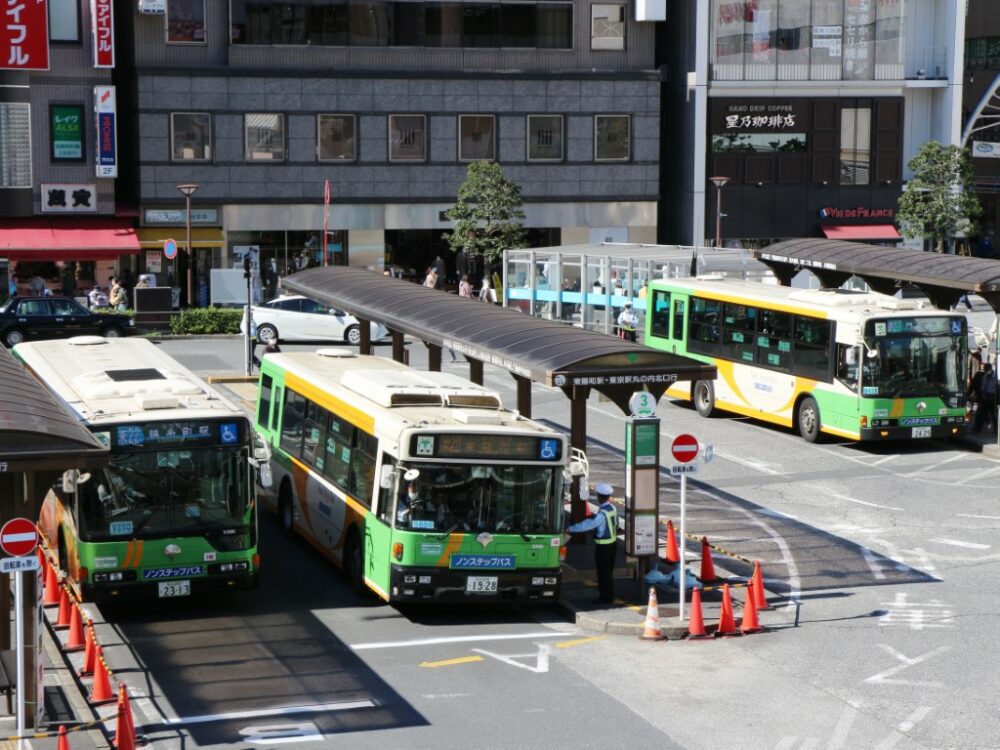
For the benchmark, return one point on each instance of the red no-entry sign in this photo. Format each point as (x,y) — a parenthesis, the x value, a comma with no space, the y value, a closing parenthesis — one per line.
(684,448)
(18,537)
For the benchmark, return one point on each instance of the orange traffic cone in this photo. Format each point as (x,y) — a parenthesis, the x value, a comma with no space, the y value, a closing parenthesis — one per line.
(100,691)
(63,739)
(89,651)
(750,624)
(75,641)
(652,630)
(758,587)
(124,726)
(51,586)
(671,555)
(727,625)
(696,625)
(42,562)
(707,566)
(62,622)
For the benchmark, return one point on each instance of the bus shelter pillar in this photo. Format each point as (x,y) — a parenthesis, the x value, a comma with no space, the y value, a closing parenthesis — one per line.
(523,395)
(433,357)
(475,370)
(365,329)
(398,350)
(577,439)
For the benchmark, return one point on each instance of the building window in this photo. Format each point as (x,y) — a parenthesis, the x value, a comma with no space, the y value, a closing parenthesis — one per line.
(191,136)
(336,141)
(186,21)
(855,145)
(545,137)
(265,137)
(15,145)
(611,138)
(64,20)
(607,27)
(476,137)
(66,132)
(407,138)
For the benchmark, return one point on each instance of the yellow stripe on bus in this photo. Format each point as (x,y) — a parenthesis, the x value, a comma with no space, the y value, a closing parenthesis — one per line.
(354,415)
(749,301)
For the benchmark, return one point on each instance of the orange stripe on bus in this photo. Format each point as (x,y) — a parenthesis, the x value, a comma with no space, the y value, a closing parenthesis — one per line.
(138,554)
(454,544)
(128,554)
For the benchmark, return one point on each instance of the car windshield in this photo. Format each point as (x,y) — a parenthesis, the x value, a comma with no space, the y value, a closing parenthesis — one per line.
(148,494)
(915,357)
(480,497)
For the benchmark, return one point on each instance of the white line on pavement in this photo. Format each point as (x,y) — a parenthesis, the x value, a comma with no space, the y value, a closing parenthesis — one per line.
(315,709)
(958,543)
(456,639)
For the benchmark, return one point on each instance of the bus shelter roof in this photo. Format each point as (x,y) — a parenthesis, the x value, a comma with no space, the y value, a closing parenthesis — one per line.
(36,431)
(545,351)
(943,278)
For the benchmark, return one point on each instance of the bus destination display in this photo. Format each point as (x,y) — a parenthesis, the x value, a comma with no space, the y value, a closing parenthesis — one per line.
(464,445)
(152,434)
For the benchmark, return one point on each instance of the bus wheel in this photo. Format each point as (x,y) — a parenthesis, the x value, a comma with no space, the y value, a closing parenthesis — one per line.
(809,420)
(704,398)
(286,511)
(354,563)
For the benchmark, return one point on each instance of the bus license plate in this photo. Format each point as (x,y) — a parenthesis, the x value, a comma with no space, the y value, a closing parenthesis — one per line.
(481,584)
(919,432)
(174,588)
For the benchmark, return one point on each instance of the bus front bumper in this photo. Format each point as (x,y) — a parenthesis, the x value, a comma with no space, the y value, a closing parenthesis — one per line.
(145,590)
(417,584)
(931,432)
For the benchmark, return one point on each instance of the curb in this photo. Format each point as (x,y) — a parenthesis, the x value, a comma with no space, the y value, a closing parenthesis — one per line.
(212,379)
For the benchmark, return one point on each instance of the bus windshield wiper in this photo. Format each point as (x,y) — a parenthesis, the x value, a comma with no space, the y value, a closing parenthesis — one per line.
(447,532)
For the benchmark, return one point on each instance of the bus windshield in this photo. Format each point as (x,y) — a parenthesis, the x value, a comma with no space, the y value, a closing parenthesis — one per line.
(915,357)
(480,497)
(147,494)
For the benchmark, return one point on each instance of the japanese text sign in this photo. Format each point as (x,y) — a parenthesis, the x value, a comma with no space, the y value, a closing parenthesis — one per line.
(102,21)
(24,35)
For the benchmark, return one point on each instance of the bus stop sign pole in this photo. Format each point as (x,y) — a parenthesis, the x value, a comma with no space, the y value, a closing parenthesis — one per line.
(19,536)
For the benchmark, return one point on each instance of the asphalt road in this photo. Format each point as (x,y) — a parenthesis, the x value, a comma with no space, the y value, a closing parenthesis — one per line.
(889,551)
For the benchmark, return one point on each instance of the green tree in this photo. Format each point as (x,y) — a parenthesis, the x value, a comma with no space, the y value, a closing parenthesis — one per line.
(939,201)
(488,213)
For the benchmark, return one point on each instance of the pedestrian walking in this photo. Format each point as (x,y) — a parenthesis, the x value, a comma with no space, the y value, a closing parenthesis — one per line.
(627,322)
(464,287)
(984,388)
(605,524)
(118,297)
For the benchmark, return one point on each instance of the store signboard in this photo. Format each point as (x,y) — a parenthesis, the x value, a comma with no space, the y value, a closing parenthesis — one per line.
(107,137)
(178,216)
(102,13)
(66,127)
(24,35)
(986,150)
(58,197)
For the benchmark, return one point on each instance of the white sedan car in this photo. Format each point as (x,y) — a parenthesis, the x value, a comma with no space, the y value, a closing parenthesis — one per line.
(297,318)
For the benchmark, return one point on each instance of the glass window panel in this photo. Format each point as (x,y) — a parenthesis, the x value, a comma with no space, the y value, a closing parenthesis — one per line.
(859,40)
(336,138)
(369,23)
(476,137)
(793,41)
(186,21)
(264,404)
(827,39)
(760,28)
(407,138)
(607,27)
(408,24)
(545,137)
(444,24)
(265,137)
(727,40)
(481,25)
(64,20)
(704,326)
(889,40)
(191,136)
(329,24)
(759,142)
(259,26)
(660,312)
(290,24)
(855,145)
(292,422)
(15,145)
(518,24)
(611,138)
(554,26)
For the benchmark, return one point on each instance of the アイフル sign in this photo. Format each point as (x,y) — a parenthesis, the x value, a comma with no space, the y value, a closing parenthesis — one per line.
(24,34)
(102,15)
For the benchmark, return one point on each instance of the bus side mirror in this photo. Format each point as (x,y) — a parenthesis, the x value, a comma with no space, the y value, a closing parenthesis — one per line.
(387,478)
(266,477)
(69,481)
(261,450)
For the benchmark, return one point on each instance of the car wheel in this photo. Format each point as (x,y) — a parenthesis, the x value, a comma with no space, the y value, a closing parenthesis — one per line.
(13,337)
(286,511)
(352,335)
(704,398)
(809,420)
(267,333)
(111,332)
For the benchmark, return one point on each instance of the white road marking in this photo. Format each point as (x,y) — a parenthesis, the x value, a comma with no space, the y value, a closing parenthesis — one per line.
(985,518)
(883,678)
(775,513)
(873,564)
(541,658)
(850,499)
(978,475)
(904,726)
(843,728)
(455,639)
(884,459)
(285,711)
(957,543)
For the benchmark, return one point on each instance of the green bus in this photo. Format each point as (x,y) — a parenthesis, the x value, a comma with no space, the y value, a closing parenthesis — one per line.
(856,365)
(420,485)
(174,513)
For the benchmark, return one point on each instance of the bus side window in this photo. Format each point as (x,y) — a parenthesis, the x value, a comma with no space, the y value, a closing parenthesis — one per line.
(660,325)
(362,475)
(678,325)
(386,498)
(264,406)
(292,423)
(847,365)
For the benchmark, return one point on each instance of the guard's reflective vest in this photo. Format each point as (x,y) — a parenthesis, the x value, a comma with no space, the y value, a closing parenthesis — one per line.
(611,517)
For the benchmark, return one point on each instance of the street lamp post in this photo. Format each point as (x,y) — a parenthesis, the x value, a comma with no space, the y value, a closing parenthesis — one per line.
(719,183)
(188,189)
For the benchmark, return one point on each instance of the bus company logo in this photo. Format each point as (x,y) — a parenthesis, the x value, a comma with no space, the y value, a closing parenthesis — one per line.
(186,570)
(914,421)
(479,562)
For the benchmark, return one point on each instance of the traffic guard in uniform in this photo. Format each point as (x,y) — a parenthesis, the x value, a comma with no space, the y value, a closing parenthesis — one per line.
(605,522)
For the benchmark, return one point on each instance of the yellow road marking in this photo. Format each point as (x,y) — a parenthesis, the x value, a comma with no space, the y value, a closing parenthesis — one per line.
(579,641)
(449,662)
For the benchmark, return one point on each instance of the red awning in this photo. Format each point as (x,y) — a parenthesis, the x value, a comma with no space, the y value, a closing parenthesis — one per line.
(77,239)
(861,232)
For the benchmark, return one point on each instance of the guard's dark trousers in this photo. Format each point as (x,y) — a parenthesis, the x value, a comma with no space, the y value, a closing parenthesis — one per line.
(604,561)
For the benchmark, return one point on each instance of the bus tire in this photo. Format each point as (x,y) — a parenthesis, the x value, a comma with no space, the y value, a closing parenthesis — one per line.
(808,419)
(704,398)
(286,509)
(354,564)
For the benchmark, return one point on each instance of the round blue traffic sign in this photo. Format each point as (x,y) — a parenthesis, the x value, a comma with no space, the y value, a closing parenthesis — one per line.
(170,249)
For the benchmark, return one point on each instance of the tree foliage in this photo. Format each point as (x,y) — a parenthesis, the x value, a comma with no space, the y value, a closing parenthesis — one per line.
(939,201)
(487,214)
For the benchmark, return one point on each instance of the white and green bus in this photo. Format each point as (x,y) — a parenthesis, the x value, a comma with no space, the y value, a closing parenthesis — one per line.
(853,364)
(420,485)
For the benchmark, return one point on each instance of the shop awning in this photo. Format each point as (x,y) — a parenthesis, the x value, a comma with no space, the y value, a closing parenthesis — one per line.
(79,239)
(861,232)
(151,238)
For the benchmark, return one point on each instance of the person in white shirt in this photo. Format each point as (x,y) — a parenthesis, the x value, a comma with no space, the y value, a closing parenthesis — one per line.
(627,322)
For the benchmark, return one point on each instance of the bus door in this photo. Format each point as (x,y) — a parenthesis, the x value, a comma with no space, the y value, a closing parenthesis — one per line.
(378,534)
